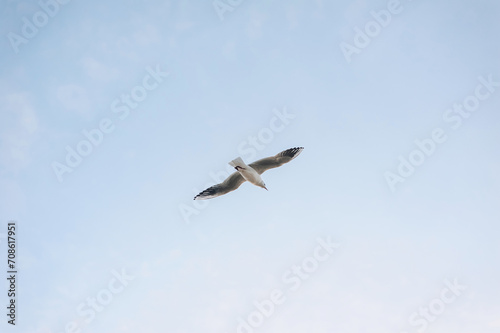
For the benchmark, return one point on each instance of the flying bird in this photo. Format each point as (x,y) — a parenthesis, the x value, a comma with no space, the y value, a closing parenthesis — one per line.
(249,173)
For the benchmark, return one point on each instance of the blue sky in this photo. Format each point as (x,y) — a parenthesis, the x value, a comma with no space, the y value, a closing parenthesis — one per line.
(120,225)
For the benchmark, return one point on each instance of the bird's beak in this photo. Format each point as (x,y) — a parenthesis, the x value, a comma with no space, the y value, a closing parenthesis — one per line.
(266,188)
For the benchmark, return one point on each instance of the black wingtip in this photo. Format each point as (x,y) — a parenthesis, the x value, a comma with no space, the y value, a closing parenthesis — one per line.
(209,192)
(292,152)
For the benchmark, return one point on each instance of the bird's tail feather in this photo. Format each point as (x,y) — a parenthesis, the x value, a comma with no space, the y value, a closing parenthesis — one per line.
(237,162)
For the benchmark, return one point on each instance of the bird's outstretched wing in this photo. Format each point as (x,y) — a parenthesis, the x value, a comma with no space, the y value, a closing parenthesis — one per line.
(230,184)
(276,161)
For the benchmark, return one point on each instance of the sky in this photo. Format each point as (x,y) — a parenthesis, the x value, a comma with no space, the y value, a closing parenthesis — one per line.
(115,114)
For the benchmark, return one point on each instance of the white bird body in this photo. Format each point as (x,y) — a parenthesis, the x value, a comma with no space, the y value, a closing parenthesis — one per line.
(250,173)
(247,172)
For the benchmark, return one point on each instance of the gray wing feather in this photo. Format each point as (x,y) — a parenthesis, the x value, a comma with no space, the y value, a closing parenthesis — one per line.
(276,161)
(230,184)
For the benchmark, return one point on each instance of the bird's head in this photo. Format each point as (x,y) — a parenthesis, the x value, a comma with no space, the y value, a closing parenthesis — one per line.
(263,186)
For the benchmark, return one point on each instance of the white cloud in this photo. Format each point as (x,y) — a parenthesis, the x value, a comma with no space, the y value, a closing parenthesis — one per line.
(146,35)
(97,70)
(255,24)
(19,130)
(74,98)
(14,200)
(182,25)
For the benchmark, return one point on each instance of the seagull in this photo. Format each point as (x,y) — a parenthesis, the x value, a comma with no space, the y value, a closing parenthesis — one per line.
(249,173)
